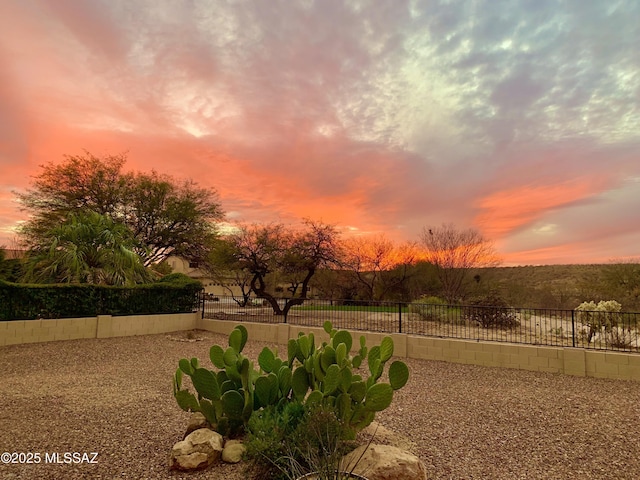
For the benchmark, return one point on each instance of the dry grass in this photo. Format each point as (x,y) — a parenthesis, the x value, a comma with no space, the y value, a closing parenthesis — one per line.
(113,396)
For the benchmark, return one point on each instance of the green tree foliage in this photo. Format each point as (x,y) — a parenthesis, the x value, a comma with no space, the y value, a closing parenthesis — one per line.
(10,268)
(167,217)
(87,248)
(456,253)
(227,269)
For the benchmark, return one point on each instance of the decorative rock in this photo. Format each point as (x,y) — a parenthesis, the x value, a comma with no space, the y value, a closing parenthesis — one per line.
(383,435)
(198,450)
(196,422)
(233,451)
(385,462)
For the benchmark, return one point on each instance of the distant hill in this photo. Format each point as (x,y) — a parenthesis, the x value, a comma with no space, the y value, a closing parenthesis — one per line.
(562,286)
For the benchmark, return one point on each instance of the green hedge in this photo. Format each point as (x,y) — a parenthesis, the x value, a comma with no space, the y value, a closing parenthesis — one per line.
(28,302)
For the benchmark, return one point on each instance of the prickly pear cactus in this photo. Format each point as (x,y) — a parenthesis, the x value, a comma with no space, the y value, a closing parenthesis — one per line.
(225,397)
(323,375)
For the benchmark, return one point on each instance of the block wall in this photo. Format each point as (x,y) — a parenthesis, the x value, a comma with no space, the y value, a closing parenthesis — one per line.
(569,361)
(103,326)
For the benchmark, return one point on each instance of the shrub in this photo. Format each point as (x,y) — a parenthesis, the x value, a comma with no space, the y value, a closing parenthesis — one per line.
(434,309)
(269,439)
(297,439)
(620,337)
(491,311)
(30,301)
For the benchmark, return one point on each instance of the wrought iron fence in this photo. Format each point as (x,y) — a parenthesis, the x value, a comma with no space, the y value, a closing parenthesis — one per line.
(616,331)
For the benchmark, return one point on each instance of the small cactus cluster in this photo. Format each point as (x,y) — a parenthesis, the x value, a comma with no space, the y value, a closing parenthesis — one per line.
(324,375)
(313,375)
(225,397)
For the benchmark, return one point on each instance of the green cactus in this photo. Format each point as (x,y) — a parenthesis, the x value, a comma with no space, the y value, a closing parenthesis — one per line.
(322,375)
(398,375)
(225,397)
(325,375)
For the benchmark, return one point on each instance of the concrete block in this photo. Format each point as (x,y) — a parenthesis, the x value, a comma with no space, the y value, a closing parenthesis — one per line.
(485,358)
(450,353)
(467,356)
(548,352)
(399,344)
(633,360)
(539,361)
(574,361)
(517,359)
(629,372)
(557,364)
(46,337)
(490,347)
(617,358)
(13,340)
(501,359)
(15,326)
(608,368)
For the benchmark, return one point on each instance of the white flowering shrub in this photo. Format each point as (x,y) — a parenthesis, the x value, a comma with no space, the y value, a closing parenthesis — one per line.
(602,317)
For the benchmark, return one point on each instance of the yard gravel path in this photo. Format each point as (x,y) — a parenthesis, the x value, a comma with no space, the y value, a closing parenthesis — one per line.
(113,397)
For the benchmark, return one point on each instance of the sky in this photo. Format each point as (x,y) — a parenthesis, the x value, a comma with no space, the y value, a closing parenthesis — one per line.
(519,118)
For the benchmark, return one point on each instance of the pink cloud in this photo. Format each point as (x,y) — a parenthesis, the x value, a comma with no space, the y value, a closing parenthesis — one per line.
(506,211)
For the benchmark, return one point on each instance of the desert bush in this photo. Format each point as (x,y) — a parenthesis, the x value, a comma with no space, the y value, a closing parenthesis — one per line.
(620,337)
(491,311)
(270,448)
(289,442)
(435,309)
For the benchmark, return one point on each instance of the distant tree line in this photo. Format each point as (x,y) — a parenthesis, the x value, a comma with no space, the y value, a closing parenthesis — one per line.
(90,221)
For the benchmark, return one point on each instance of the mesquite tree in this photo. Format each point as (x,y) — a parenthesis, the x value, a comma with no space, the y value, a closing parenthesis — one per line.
(276,253)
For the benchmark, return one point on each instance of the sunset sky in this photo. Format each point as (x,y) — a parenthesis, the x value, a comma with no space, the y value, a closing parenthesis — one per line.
(519,118)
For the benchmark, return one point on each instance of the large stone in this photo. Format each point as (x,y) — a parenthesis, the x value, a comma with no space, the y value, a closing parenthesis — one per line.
(198,450)
(384,462)
(233,451)
(382,435)
(196,422)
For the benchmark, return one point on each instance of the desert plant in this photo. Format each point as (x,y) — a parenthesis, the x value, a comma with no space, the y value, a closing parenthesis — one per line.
(225,397)
(491,311)
(311,445)
(324,375)
(321,441)
(428,308)
(599,317)
(269,441)
(620,337)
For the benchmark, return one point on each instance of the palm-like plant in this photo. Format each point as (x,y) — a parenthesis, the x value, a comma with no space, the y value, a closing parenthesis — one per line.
(87,248)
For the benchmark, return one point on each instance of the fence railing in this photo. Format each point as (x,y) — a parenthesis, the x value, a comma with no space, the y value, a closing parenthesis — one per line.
(616,331)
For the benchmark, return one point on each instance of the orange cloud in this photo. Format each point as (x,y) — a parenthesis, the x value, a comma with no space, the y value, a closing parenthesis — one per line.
(507,211)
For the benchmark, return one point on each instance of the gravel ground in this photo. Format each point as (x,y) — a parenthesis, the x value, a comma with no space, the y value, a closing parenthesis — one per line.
(113,397)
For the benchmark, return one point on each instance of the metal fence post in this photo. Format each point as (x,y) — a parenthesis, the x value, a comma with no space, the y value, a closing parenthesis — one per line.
(573,328)
(399,317)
